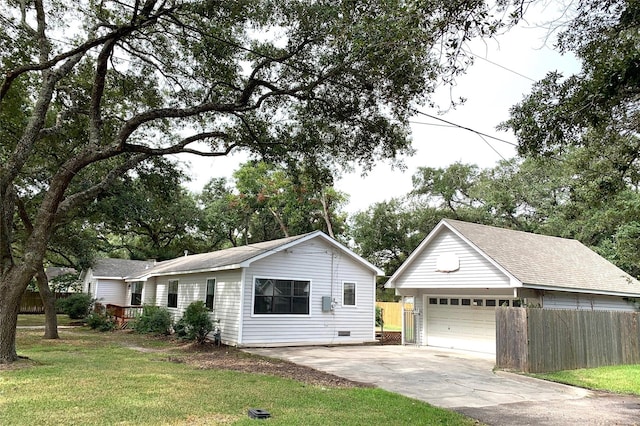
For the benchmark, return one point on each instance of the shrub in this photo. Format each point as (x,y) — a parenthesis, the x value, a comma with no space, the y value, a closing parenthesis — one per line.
(195,324)
(379,320)
(101,321)
(77,305)
(154,320)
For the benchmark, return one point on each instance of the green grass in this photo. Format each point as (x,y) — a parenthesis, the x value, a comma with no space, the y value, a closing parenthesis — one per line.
(91,378)
(31,320)
(618,379)
(390,327)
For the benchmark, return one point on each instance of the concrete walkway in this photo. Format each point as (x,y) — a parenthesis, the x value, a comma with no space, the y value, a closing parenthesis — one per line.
(465,382)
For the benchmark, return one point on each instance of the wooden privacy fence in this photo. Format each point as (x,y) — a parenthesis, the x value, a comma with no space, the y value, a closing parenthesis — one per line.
(538,340)
(31,303)
(391,313)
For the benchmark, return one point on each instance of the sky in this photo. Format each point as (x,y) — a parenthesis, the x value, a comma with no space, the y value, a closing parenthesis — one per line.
(503,72)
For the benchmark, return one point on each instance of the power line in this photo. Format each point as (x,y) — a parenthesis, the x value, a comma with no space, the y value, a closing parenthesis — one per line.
(501,66)
(469,129)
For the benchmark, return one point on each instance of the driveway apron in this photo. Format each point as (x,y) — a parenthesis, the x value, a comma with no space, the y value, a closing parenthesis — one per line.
(465,382)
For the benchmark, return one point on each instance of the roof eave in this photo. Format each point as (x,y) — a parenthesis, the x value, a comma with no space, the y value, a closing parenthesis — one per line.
(581,290)
(513,280)
(187,271)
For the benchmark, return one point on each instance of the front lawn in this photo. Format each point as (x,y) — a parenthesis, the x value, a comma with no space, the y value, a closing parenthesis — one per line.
(618,379)
(98,378)
(32,320)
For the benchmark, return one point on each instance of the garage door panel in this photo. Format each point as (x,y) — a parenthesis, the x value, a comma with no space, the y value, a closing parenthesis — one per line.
(461,327)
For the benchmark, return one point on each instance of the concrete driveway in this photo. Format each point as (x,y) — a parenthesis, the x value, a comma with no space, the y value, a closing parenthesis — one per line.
(465,382)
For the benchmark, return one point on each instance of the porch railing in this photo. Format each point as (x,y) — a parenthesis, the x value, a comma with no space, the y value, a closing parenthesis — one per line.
(123,314)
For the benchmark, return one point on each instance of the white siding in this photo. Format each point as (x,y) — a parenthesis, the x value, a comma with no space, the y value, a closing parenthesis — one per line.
(110,291)
(148,292)
(595,302)
(89,283)
(326,268)
(475,271)
(193,287)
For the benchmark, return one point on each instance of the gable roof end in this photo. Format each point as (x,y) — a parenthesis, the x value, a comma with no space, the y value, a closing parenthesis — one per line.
(239,257)
(539,261)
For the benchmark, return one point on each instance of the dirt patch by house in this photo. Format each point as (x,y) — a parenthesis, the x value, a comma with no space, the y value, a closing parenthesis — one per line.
(208,356)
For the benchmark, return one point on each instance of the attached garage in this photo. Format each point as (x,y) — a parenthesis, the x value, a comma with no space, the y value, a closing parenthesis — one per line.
(461,272)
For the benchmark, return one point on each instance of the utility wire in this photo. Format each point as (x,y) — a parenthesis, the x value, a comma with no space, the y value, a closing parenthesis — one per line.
(500,66)
(469,129)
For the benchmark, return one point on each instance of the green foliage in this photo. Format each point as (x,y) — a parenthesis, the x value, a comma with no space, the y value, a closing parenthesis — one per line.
(101,321)
(77,305)
(597,107)
(379,320)
(195,324)
(288,82)
(153,320)
(69,281)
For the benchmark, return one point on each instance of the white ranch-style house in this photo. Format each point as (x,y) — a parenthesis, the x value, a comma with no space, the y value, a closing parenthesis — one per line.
(302,290)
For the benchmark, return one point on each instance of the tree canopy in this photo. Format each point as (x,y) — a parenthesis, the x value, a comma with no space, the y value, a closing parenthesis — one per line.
(90,92)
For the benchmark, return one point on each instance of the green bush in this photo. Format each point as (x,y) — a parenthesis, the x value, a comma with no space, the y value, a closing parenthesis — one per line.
(195,324)
(154,320)
(77,305)
(379,320)
(101,321)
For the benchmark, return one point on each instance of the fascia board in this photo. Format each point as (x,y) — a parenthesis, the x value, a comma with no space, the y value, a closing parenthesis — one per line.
(316,234)
(513,281)
(186,272)
(581,290)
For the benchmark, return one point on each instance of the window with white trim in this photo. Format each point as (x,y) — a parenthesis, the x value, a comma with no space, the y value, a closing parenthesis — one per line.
(172,297)
(281,296)
(136,293)
(211,293)
(348,294)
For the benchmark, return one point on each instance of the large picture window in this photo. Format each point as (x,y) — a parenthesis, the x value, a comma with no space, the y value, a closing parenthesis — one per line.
(172,298)
(275,296)
(348,294)
(211,292)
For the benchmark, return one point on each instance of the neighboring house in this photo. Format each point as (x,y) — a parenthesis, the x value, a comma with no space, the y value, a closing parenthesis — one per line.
(462,271)
(302,290)
(104,281)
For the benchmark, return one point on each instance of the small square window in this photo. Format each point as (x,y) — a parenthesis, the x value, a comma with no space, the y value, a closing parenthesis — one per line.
(504,303)
(433,301)
(477,302)
(466,302)
(444,301)
(491,302)
(455,302)
(516,303)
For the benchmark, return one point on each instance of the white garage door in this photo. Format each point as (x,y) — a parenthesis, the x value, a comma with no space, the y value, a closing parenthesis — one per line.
(467,323)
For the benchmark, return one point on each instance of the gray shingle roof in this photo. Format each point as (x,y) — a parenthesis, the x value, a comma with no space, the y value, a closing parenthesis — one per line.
(108,267)
(214,260)
(540,260)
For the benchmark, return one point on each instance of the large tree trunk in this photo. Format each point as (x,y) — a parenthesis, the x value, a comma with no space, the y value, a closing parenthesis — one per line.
(12,285)
(326,215)
(49,301)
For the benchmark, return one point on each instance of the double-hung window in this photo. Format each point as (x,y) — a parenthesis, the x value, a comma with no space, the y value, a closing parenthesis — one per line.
(172,298)
(281,296)
(211,293)
(136,293)
(348,294)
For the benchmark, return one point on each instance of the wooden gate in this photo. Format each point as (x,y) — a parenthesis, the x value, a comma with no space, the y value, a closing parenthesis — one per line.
(409,322)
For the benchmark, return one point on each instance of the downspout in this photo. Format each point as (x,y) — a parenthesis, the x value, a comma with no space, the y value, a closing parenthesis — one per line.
(241,310)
